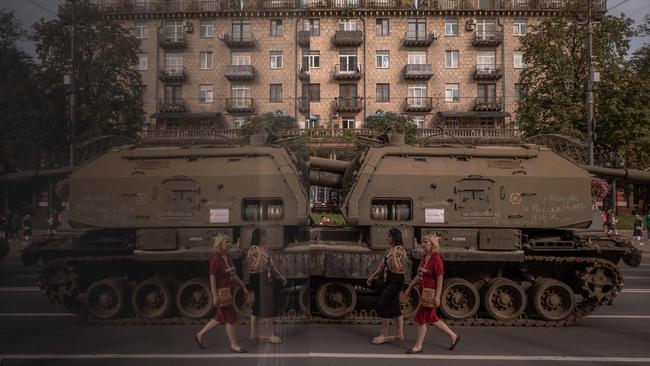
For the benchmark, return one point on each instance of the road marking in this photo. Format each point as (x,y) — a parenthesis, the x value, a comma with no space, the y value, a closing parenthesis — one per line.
(20,289)
(619,316)
(454,357)
(9,315)
(637,290)
(635,277)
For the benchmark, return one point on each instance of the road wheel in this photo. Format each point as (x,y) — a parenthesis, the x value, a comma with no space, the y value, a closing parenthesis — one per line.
(106,298)
(409,304)
(152,298)
(459,299)
(504,299)
(243,306)
(194,299)
(304,299)
(336,299)
(552,300)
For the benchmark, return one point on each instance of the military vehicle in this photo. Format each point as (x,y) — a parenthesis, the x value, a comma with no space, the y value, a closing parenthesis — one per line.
(513,226)
(146,217)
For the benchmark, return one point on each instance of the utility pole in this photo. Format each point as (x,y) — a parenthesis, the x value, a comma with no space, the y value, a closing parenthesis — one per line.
(73,84)
(590,86)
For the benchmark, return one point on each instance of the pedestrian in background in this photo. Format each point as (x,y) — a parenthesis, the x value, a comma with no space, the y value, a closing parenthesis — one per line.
(429,279)
(638,228)
(222,278)
(52,222)
(647,224)
(390,280)
(15,226)
(611,222)
(262,278)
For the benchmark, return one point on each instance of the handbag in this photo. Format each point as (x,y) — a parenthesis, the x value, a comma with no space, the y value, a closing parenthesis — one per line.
(426,300)
(224,295)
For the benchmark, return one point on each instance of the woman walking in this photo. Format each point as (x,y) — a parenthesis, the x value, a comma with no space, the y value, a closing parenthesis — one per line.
(222,278)
(638,228)
(429,279)
(390,277)
(262,272)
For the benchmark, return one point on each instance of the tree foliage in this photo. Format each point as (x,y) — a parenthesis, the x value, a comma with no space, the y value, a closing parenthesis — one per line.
(553,100)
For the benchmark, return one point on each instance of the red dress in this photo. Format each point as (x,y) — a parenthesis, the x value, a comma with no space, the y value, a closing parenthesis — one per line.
(428,271)
(222,268)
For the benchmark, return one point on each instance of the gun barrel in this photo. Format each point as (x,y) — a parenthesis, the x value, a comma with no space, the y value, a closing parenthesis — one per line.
(329,165)
(628,174)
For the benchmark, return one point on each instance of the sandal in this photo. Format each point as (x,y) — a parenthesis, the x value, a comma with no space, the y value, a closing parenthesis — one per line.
(198,342)
(274,339)
(396,338)
(238,350)
(454,343)
(379,340)
(413,351)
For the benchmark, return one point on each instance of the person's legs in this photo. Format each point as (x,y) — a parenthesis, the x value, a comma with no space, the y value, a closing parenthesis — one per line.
(400,328)
(443,327)
(422,332)
(383,332)
(232,337)
(208,327)
(254,327)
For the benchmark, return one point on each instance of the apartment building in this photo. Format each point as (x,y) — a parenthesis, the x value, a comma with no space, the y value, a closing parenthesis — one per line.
(330,63)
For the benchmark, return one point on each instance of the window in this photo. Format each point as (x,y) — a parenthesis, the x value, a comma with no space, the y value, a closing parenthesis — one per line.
(487,122)
(383,93)
(141,29)
(241,30)
(174,63)
(205,93)
(206,29)
(240,58)
(418,121)
(417,58)
(276,27)
(348,61)
(241,96)
(487,93)
(348,123)
(451,59)
(312,25)
(452,122)
(143,62)
(173,94)
(382,27)
(417,95)
(486,60)
(239,121)
(311,59)
(311,91)
(452,93)
(275,94)
(486,27)
(520,27)
(451,27)
(383,59)
(205,59)
(518,59)
(276,59)
(347,24)
(173,30)
(417,29)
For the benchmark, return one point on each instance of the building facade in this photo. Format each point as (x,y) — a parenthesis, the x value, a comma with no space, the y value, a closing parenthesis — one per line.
(330,63)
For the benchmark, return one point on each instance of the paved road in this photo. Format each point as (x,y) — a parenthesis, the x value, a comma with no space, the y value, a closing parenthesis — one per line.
(34,332)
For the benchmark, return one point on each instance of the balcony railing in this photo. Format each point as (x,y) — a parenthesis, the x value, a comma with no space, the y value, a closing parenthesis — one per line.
(347,72)
(487,38)
(472,134)
(240,105)
(418,71)
(303,104)
(239,40)
(348,104)
(177,135)
(488,104)
(172,105)
(185,6)
(172,73)
(172,40)
(303,73)
(488,72)
(304,39)
(418,104)
(418,39)
(240,72)
(348,38)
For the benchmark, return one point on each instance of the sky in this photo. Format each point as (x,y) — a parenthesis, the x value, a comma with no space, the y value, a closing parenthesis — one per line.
(31,11)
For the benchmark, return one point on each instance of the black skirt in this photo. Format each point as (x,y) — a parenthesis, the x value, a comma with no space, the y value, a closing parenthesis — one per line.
(264,305)
(388,305)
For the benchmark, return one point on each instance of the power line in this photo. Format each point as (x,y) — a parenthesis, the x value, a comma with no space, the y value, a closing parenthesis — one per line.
(42,7)
(621,3)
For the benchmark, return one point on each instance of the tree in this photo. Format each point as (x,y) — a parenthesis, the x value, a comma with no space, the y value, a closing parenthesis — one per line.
(108,85)
(553,99)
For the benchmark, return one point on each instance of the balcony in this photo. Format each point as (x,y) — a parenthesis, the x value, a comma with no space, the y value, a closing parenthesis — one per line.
(240,105)
(239,40)
(304,38)
(172,73)
(303,73)
(345,38)
(172,105)
(488,104)
(172,41)
(277,4)
(383,4)
(488,72)
(348,104)
(303,104)
(418,71)
(418,39)
(418,104)
(347,72)
(487,39)
(240,72)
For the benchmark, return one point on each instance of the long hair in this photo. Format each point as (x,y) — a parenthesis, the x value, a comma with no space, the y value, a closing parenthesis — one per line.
(218,239)
(396,235)
(256,236)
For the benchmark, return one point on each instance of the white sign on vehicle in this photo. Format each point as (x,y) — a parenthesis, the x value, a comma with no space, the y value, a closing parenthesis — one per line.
(219,216)
(434,215)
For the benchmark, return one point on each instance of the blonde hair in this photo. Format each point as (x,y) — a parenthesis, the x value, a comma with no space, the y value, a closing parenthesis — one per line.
(433,239)
(219,239)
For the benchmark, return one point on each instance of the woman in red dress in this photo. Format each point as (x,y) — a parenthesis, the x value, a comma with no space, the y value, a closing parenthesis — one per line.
(222,275)
(429,276)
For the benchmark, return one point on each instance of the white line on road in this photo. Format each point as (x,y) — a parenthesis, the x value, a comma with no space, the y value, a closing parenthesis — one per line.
(637,290)
(635,277)
(20,289)
(619,316)
(453,357)
(9,315)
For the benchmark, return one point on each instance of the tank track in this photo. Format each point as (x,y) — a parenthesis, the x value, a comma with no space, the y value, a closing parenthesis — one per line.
(587,305)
